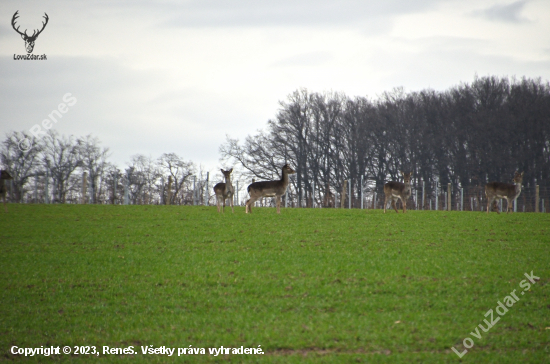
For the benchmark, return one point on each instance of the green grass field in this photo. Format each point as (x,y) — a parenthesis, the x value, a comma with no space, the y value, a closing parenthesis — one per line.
(309,285)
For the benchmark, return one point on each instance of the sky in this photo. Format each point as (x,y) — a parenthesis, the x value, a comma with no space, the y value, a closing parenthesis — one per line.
(153,77)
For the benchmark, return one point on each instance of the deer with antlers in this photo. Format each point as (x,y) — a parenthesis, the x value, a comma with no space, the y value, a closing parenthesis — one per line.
(275,189)
(507,191)
(397,190)
(225,191)
(4,175)
(29,40)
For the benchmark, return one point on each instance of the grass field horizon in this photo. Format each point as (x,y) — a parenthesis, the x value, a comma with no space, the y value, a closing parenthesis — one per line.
(308,285)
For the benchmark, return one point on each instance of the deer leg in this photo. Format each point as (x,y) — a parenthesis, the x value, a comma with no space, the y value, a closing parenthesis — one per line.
(278,203)
(394,204)
(250,202)
(385,203)
(489,202)
(404,202)
(223,204)
(5,208)
(231,203)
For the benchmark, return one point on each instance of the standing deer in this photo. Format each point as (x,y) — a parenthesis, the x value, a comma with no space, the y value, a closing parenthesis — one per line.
(508,191)
(275,189)
(225,191)
(397,190)
(3,176)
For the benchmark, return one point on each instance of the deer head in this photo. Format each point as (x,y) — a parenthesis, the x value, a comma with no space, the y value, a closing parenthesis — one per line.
(29,40)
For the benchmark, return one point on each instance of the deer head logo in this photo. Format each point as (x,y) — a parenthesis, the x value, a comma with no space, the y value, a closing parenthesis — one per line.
(29,40)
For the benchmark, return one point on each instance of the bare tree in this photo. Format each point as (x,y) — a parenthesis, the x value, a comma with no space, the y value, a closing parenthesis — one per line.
(94,161)
(20,154)
(61,157)
(178,169)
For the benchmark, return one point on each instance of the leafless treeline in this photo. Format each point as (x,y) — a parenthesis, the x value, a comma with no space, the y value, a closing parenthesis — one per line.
(51,169)
(467,135)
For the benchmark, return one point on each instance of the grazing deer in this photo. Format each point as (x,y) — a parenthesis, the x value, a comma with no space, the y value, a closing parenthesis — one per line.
(3,189)
(275,189)
(225,191)
(508,191)
(397,190)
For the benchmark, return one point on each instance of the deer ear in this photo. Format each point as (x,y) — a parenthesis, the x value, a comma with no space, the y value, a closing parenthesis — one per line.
(231,170)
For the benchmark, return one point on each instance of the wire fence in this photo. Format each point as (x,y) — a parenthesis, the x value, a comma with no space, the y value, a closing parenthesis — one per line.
(200,192)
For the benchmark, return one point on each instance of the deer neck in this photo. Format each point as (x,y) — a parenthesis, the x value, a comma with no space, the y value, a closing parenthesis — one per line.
(284,180)
(517,188)
(228,184)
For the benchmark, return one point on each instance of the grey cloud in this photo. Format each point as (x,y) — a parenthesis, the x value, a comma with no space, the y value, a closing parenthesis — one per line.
(507,13)
(216,13)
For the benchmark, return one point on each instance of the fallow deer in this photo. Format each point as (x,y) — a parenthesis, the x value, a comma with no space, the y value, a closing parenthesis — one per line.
(507,191)
(397,190)
(225,191)
(275,189)
(3,176)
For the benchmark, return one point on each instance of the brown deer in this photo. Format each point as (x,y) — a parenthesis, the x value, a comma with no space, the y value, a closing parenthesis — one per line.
(225,191)
(508,191)
(275,189)
(397,190)
(3,176)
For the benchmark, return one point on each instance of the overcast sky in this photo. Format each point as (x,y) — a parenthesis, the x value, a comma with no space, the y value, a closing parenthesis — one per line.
(153,77)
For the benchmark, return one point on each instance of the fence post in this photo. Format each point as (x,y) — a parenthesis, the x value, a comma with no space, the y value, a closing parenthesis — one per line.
(47,188)
(114,188)
(313,194)
(36,187)
(343,198)
(542,206)
(286,198)
(423,190)
(350,193)
(194,190)
(449,208)
(126,190)
(206,189)
(169,192)
(537,198)
(516,205)
(84,186)
(416,199)
(436,198)
(237,195)
(375,201)
(361,192)
(462,199)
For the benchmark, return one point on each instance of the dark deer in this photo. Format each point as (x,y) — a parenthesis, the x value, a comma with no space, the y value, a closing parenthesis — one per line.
(225,191)
(508,191)
(3,176)
(29,40)
(275,189)
(397,190)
